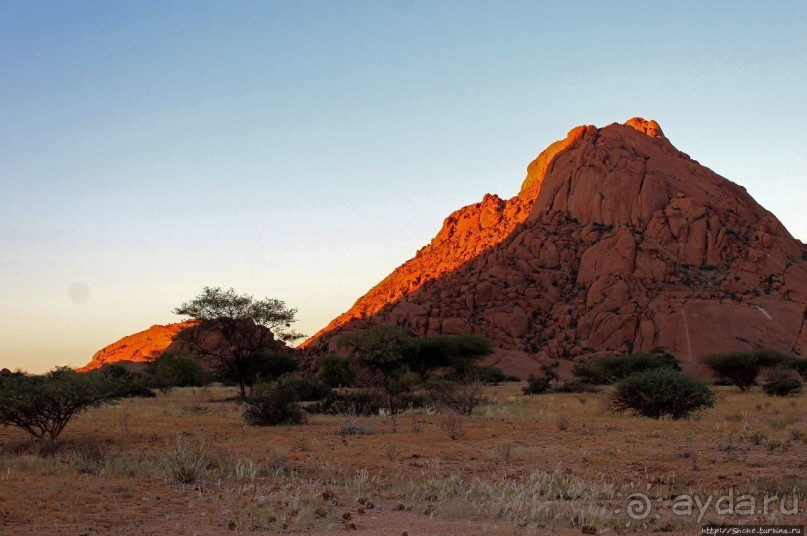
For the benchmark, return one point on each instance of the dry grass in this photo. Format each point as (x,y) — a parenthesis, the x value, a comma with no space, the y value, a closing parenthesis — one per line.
(521,465)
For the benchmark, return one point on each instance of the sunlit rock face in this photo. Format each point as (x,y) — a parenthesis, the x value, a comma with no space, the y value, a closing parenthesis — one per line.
(190,337)
(616,242)
(138,348)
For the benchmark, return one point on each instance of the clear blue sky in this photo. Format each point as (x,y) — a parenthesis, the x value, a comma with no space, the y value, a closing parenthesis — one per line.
(302,150)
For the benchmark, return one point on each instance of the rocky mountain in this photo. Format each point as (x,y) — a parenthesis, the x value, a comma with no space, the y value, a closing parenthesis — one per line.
(184,337)
(616,242)
(137,348)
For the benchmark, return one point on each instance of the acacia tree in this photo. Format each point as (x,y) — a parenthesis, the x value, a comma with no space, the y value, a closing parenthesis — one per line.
(43,405)
(237,320)
(742,368)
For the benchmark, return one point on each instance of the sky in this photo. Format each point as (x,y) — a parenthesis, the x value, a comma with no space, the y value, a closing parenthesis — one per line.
(302,150)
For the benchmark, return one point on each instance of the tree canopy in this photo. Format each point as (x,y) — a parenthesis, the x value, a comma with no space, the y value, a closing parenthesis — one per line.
(216,304)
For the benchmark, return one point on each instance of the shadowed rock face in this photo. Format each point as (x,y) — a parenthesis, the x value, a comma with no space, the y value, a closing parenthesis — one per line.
(616,242)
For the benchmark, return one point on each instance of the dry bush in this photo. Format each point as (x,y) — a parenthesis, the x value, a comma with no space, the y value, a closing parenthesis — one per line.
(186,462)
(352,426)
(451,425)
(88,455)
(462,396)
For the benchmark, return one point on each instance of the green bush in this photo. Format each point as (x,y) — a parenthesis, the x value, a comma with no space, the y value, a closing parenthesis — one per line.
(179,370)
(43,405)
(337,371)
(272,404)
(742,368)
(604,370)
(661,392)
(494,375)
(458,353)
(782,387)
(307,389)
(799,365)
(130,384)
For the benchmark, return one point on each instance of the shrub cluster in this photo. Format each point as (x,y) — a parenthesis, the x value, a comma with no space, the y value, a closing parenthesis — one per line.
(782,387)
(494,375)
(363,402)
(461,396)
(605,370)
(307,389)
(799,366)
(743,368)
(271,404)
(130,384)
(178,370)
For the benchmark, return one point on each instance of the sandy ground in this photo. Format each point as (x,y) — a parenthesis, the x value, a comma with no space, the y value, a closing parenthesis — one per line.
(501,477)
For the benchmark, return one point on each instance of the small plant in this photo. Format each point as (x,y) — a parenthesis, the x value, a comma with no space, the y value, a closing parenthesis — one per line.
(661,393)
(451,425)
(757,437)
(302,443)
(273,404)
(505,453)
(186,463)
(562,423)
(392,452)
(415,425)
(245,472)
(275,465)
